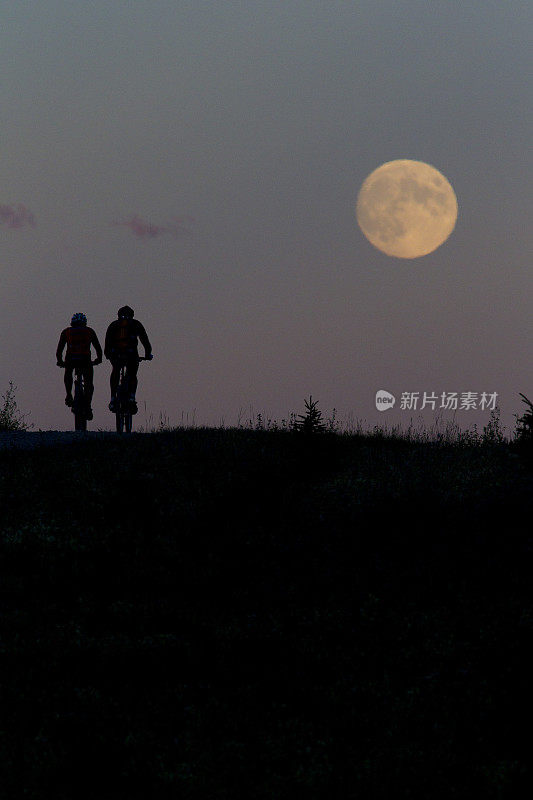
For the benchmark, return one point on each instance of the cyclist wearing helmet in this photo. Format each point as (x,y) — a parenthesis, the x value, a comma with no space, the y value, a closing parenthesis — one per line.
(121,348)
(78,340)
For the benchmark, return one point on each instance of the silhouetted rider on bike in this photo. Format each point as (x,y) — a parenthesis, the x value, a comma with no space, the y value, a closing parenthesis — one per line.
(78,340)
(121,348)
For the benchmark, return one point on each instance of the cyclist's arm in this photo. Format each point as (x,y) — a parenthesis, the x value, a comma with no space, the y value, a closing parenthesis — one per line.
(61,346)
(96,344)
(107,342)
(141,333)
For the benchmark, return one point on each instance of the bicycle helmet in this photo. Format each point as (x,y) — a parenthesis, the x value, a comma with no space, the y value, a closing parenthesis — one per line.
(126,311)
(78,319)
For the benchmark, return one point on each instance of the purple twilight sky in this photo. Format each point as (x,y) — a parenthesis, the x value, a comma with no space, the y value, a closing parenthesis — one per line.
(200,161)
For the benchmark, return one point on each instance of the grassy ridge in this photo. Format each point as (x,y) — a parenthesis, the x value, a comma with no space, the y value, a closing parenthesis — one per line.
(334,614)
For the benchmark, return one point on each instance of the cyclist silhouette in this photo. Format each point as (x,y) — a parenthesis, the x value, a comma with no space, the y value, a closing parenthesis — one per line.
(78,340)
(121,347)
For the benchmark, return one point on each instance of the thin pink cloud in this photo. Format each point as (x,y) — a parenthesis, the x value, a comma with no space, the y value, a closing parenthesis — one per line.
(16,216)
(148,230)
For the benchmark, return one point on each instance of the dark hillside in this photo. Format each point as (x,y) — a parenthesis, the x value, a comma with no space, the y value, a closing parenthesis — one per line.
(258,614)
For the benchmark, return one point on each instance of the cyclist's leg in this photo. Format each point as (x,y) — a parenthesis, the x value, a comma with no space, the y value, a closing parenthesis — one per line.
(88,388)
(68,383)
(88,374)
(131,375)
(114,377)
(114,383)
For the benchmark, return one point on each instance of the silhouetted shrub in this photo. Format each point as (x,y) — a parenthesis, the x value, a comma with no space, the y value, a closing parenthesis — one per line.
(492,431)
(10,417)
(524,427)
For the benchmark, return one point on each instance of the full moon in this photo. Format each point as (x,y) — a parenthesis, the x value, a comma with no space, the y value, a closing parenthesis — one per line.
(406,208)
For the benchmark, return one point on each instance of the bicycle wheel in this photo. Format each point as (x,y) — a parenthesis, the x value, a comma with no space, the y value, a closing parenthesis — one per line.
(78,406)
(121,399)
(80,421)
(128,419)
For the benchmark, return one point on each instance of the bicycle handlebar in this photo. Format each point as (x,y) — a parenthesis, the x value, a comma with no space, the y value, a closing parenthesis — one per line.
(97,361)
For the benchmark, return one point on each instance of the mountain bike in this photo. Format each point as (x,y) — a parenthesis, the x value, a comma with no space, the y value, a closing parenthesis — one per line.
(80,401)
(123,407)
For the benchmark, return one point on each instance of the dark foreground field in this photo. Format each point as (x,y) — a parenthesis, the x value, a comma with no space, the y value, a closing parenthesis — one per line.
(248,614)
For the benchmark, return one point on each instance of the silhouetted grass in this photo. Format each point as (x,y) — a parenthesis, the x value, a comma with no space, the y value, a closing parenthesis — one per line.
(225,613)
(441,430)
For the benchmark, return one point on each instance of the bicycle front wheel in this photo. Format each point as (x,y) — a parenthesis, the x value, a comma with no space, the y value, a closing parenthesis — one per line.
(120,421)
(78,406)
(80,420)
(128,419)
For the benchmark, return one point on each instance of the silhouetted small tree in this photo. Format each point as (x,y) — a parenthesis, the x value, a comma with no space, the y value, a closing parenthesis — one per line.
(10,417)
(524,426)
(311,421)
(492,431)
